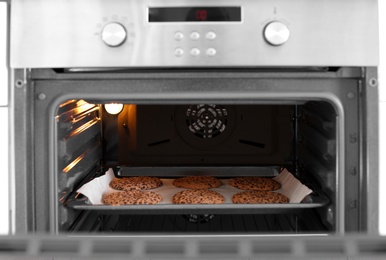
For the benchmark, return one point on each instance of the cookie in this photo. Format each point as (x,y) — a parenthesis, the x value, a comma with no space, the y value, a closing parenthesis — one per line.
(133,197)
(198,196)
(259,197)
(255,183)
(197,182)
(136,183)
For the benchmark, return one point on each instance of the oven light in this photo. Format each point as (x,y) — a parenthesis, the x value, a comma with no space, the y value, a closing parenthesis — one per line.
(114,108)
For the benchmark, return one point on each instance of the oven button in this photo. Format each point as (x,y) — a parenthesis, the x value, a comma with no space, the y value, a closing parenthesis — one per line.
(276,33)
(178,36)
(210,35)
(178,52)
(194,36)
(113,34)
(211,52)
(195,52)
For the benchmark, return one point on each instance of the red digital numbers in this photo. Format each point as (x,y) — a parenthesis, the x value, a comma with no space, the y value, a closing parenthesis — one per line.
(201,15)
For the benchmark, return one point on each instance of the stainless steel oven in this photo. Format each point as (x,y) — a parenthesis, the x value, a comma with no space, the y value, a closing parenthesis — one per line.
(227,89)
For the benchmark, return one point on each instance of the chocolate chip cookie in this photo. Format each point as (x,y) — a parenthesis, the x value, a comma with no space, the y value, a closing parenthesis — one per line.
(255,183)
(136,183)
(259,197)
(133,197)
(197,182)
(198,196)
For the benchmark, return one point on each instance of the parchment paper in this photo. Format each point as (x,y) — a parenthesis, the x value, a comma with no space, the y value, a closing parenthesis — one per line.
(291,187)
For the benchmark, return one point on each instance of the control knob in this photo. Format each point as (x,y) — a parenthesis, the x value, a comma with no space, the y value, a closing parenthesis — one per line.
(276,33)
(114,34)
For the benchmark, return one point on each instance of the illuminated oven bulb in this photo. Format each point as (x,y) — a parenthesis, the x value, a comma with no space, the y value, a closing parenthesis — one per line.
(114,109)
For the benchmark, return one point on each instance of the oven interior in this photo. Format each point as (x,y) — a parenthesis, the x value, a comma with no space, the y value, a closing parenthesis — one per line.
(172,140)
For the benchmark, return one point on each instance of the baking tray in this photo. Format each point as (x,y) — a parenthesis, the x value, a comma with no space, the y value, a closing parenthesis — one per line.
(316,199)
(309,203)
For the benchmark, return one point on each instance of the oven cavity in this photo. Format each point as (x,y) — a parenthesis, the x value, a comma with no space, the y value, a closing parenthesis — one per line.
(175,140)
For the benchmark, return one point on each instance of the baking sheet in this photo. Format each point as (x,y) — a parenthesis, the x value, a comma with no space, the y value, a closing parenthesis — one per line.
(98,187)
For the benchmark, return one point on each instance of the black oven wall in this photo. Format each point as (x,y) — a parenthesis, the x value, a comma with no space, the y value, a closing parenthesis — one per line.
(199,135)
(79,151)
(317,151)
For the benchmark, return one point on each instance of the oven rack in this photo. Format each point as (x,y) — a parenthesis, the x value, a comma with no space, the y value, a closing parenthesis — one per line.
(306,222)
(316,199)
(82,204)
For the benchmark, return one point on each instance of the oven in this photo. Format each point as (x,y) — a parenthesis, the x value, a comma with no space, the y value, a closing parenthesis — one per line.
(225,89)
(266,120)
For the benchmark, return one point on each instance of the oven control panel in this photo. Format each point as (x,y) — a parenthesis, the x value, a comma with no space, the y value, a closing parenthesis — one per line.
(208,44)
(203,33)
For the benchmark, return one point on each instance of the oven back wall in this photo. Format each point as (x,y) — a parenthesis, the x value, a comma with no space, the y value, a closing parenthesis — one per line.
(194,135)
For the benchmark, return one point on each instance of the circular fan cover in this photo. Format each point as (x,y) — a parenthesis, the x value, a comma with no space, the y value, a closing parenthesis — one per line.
(206,121)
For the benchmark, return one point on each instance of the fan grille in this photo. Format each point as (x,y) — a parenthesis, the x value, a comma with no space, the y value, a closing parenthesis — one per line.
(206,121)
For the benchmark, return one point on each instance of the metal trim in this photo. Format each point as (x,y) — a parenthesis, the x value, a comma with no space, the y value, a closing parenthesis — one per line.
(194,247)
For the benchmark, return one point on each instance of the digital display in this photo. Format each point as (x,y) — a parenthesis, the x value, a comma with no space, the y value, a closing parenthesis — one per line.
(195,14)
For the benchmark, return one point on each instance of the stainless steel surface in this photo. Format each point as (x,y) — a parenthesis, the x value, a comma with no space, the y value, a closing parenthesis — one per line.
(67,33)
(4,55)
(4,160)
(370,156)
(276,33)
(149,246)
